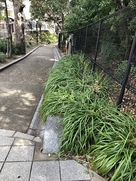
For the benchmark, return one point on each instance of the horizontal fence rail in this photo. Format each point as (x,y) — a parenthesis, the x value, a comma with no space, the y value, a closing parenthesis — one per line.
(110,44)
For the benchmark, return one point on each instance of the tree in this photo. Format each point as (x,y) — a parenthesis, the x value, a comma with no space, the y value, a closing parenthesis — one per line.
(19,26)
(9,36)
(50,10)
(84,12)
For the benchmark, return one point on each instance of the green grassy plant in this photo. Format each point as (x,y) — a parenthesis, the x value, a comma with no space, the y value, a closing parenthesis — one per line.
(78,95)
(92,125)
(115,149)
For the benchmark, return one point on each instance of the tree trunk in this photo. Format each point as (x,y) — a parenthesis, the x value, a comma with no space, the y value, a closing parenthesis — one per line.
(19,26)
(9,35)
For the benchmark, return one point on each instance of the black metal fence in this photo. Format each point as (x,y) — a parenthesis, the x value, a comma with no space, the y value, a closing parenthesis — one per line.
(110,44)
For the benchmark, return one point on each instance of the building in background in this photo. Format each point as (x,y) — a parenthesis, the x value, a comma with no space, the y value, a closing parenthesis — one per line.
(30,25)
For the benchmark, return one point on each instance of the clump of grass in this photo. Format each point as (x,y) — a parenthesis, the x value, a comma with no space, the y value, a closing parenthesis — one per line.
(115,148)
(72,76)
(92,125)
(78,95)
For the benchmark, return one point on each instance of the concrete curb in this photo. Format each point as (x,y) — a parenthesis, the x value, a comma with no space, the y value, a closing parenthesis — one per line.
(17,60)
(57,56)
(35,119)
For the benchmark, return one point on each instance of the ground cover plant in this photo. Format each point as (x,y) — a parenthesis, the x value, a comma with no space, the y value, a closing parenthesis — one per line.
(92,124)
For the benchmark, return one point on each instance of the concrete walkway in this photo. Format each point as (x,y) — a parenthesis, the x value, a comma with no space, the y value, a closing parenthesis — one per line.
(21,156)
(21,159)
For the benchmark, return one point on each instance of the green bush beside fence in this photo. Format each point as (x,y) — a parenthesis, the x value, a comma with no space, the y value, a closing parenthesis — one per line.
(92,124)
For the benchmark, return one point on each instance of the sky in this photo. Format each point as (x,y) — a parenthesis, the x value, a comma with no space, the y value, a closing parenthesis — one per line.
(25,10)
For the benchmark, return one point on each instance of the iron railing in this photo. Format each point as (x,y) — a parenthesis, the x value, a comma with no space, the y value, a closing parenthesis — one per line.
(110,44)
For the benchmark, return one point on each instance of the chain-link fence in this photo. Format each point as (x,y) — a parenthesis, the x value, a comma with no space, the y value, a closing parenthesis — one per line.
(110,44)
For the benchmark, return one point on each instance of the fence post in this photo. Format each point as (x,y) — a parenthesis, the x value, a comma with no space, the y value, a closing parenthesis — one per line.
(127,72)
(72,43)
(69,46)
(97,43)
(59,40)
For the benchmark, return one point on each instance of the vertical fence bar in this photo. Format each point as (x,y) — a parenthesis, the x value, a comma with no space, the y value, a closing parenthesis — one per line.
(73,47)
(72,43)
(79,46)
(127,72)
(59,40)
(97,43)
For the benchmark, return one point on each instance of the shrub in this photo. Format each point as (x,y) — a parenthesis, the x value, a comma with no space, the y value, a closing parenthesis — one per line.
(48,37)
(120,72)
(15,49)
(109,51)
(3,45)
(2,57)
(115,148)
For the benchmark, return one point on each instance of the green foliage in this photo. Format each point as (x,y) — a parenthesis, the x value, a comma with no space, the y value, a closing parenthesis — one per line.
(37,9)
(3,45)
(133,24)
(109,51)
(86,12)
(55,10)
(92,125)
(115,148)
(120,72)
(15,49)
(80,97)
(48,37)
(1,17)
(75,77)
(2,57)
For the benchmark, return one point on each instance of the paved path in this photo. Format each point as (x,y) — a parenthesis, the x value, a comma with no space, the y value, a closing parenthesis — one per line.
(21,87)
(22,160)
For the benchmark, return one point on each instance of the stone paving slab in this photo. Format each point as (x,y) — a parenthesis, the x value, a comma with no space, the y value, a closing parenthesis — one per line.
(6,141)
(24,136)
(44,170)
(4,132)
(16,171)
(52,134)
(21,153)
(95,177)
(4,152)
(1,163)
(72,170)
(23,142)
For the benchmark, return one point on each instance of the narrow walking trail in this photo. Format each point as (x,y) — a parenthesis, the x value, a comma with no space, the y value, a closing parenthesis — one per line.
(21,87)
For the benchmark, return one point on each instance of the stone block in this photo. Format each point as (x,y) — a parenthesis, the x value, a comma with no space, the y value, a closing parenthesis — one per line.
(45,170)
(21,153)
